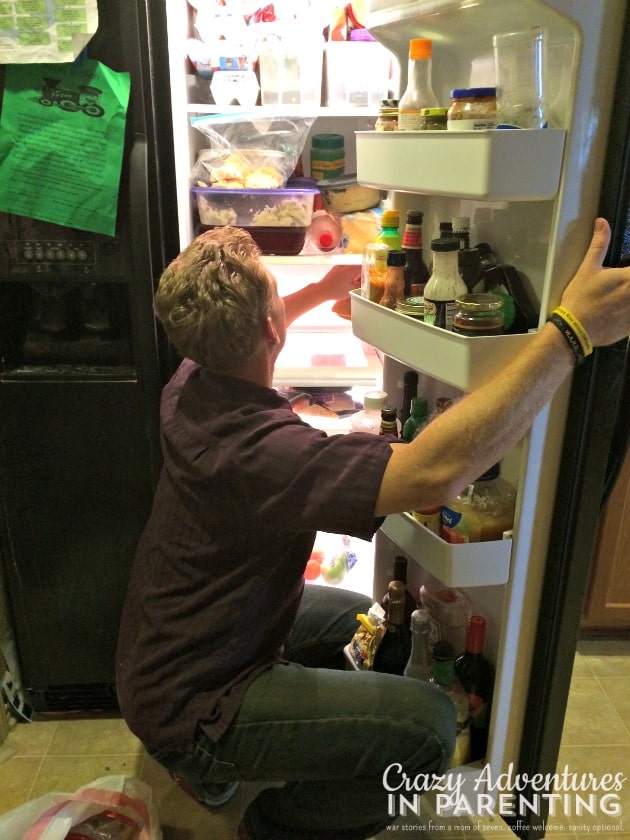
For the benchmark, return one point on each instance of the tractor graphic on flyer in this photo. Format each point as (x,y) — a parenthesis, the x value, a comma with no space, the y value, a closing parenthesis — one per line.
(84,99)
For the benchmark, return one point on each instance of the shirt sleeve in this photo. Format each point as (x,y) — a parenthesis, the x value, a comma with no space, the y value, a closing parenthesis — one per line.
(300,478)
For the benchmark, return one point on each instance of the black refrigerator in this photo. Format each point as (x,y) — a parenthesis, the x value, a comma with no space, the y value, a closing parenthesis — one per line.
(81,369)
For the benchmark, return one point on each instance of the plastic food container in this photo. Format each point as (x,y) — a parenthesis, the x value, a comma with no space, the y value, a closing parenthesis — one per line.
(344,195)
(276,219)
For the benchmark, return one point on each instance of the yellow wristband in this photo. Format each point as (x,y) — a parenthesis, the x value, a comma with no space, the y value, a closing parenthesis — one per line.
(578,330)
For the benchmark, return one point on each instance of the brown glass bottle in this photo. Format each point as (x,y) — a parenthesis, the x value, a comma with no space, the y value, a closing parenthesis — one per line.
(389,425)
(394,649)
(400,574)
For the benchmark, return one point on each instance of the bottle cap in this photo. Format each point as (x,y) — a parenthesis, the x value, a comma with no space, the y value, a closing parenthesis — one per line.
(374,399)
(419,406)
(445,243)
(493,472)
(327,141)
(433,112)
(390,218)
(420,48)
(415,217)
(325,239)
(397,258)
(473,93)
(420,618)
(443,651)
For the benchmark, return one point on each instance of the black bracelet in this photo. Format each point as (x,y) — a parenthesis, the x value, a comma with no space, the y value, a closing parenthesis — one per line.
(570,337)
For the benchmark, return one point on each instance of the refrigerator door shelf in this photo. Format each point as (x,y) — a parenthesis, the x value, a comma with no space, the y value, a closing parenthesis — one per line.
(455,359)
(467,564)
(506,165)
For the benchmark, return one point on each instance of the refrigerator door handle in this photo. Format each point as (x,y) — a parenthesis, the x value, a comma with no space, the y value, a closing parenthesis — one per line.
(620,435)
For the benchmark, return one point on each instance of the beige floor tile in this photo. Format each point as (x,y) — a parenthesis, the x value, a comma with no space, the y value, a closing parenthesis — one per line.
(581,668)
(31,738)
(591,718)
(607,657)
(16,778)
(67,773)
(94,737)
(618,692)
(612,759)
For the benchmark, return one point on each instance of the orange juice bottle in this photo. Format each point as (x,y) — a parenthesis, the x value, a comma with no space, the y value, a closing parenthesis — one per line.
(482,512)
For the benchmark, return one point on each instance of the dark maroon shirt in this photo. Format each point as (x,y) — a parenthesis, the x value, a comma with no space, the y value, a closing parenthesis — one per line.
(218,573)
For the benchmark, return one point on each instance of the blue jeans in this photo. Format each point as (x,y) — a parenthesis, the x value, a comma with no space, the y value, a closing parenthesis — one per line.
(327,733)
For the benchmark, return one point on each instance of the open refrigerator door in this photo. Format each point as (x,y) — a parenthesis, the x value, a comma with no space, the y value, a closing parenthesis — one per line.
(535,206)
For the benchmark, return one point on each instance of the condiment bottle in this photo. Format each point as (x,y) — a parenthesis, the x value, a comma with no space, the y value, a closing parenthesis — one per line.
(390,233)
(461,229)
(416,420)
(416,271)
(389,421)
(369,418)
(445,284)
(419,92)
(394,291)
(324,233)
(373,270)
(394,649)
(481,512)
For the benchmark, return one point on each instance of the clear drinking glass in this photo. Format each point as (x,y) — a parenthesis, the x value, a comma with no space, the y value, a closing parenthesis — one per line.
(519,66)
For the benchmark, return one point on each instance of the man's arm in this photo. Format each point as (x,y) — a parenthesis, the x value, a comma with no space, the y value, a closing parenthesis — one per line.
(335,285)
(475,433)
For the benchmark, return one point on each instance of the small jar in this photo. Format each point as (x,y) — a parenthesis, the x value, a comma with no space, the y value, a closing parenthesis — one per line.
(387,115)
(479,314)
(472,109)
(412,306)
(328,156)
(433,119)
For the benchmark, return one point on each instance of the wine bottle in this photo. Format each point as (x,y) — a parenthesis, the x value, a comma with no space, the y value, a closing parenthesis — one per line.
(410,390)
(400,574)
(476,675)
(443,675)
(394,649)
(419,665)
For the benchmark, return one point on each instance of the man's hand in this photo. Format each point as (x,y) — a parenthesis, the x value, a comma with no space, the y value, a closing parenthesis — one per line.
(600,297)
(340,281)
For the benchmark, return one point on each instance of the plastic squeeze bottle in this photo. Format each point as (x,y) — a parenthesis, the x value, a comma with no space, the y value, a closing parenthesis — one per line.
(419,93)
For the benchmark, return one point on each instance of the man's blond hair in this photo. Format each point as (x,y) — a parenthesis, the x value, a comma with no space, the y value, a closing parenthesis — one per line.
(214,298)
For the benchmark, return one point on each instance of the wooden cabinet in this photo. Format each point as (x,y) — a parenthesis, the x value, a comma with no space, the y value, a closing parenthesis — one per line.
(607,605)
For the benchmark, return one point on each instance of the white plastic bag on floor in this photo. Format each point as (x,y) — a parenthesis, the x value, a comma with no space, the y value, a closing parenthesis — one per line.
(52,816)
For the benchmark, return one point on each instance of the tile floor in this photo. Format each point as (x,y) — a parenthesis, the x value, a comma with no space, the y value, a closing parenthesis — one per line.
(63,755)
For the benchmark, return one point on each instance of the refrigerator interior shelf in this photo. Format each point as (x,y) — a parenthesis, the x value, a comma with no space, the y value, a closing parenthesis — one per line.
(468,564)
(507,165)
(455,359)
